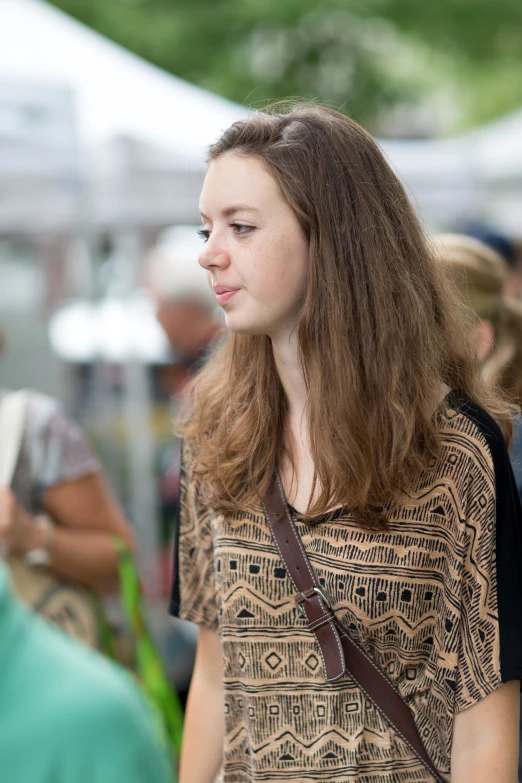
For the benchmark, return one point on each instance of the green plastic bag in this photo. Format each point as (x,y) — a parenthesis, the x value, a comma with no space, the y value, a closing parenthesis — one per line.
(149,668)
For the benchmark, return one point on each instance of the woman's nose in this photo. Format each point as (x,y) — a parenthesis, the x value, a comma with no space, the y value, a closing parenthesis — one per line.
(213,256)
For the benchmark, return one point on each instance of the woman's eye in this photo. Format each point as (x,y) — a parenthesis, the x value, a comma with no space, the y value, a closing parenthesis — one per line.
(204,234)
(240,228)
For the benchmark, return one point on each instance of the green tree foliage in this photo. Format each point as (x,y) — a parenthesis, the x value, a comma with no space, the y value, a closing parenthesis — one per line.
(366,56)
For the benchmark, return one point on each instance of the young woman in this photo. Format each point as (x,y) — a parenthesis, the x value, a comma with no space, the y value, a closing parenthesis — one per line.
(345,368)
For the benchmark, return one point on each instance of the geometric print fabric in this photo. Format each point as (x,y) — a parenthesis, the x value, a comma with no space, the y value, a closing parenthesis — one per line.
(420,597)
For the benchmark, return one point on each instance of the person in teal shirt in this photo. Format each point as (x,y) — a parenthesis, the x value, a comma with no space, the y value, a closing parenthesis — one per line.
(68,715)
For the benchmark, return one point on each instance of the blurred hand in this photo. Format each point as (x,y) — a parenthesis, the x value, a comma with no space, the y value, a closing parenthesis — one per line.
(18,531)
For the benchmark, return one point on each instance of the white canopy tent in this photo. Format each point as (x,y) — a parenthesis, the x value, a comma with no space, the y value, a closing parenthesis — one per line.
(147,130)
(40,174)
(497,148)
(143,132)
(440,179)
(133,183)
(116,92)
(40,194)
(118,95)
(496,151)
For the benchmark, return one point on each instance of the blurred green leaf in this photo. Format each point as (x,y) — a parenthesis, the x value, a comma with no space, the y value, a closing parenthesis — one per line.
(366,56)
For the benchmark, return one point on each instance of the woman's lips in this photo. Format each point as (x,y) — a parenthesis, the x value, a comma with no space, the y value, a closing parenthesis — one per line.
(224,294)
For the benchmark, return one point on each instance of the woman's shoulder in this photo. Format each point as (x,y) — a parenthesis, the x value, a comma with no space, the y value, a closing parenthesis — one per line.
(193,446)
(471,430)
(40,409)
(47,419)
(43,404)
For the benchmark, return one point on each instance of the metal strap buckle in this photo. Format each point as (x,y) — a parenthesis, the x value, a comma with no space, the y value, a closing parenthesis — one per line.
(300,598)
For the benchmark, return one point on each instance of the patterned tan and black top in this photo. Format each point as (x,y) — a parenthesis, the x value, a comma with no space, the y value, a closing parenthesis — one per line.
(436,599)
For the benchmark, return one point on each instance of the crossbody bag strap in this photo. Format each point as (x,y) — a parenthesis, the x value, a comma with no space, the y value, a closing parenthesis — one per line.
(309,599)
(339,652)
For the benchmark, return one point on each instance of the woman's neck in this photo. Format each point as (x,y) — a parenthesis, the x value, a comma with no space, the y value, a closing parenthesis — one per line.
(296,468)
(286,357)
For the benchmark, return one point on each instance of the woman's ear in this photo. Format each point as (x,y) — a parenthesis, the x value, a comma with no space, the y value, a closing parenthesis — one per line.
(484,338)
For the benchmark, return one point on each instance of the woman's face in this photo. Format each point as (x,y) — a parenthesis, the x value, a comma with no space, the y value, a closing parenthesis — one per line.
(255,253)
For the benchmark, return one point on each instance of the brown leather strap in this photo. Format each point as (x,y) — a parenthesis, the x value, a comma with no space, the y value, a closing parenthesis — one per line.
(339,652)
(319,616)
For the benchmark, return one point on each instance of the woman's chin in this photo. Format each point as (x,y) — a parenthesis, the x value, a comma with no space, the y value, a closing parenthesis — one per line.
(240,325)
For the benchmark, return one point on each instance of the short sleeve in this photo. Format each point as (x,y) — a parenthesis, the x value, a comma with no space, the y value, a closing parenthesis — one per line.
(57,449)
(491,613)
(193,591)
(53,451)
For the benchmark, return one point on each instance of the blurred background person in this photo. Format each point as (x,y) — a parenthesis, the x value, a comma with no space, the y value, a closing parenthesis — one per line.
(67,715)
(511,378)
(57,475)
(185,305)
(58,518)
(478,274)
(509,252)
(186,310)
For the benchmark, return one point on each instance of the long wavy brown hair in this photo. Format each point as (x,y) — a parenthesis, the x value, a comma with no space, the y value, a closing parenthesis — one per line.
(379,332)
